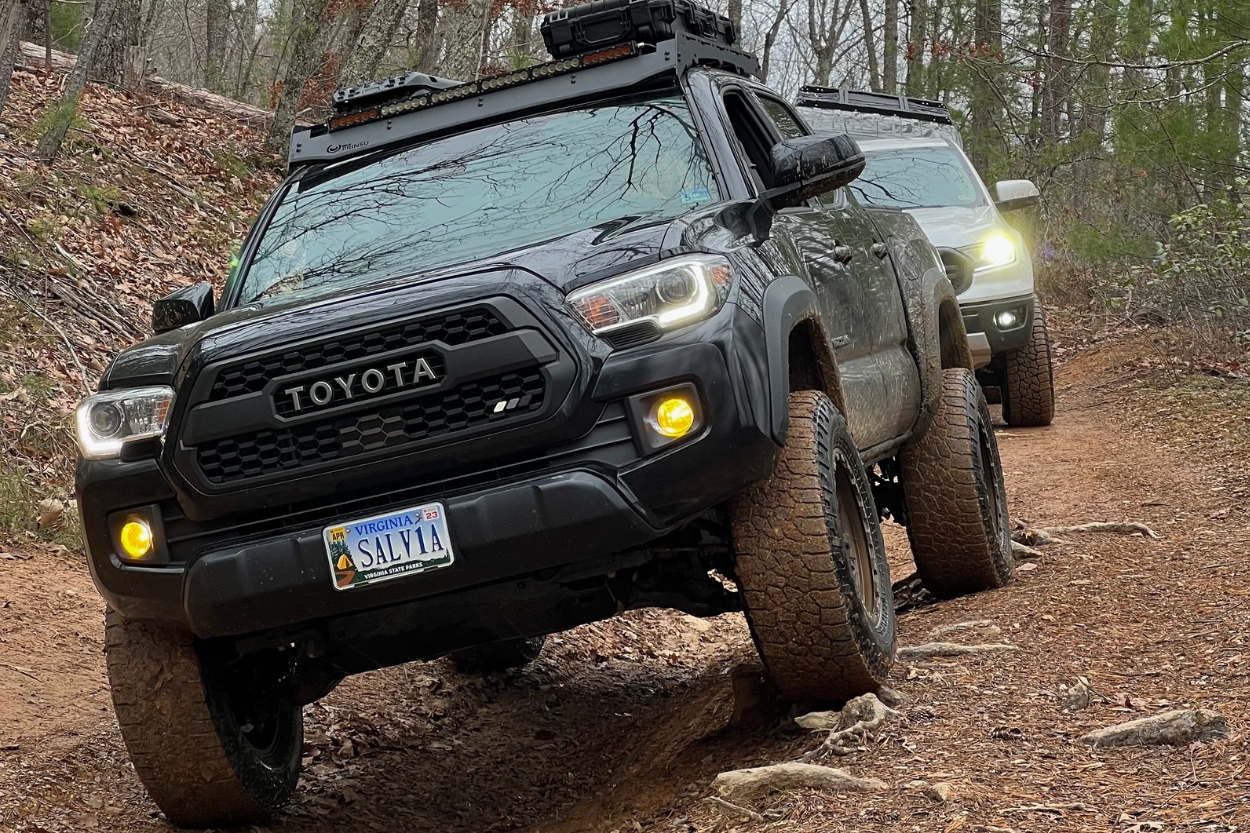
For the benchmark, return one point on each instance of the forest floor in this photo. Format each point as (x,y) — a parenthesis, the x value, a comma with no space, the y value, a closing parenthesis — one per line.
(622,725)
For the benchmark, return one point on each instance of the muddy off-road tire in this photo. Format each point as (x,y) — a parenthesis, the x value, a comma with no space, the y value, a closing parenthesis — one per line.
(1028,389)
(811,564)
(956,503)
(198,764)
(494,657)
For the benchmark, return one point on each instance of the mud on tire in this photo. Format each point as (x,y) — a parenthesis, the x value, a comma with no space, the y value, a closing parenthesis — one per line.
(953,489)
(190,751)
(498,656)
(811,564)
(1028,389)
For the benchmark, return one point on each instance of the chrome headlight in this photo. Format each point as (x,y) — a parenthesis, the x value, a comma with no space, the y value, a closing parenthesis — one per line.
(996,250)
(674,292)
(107,421)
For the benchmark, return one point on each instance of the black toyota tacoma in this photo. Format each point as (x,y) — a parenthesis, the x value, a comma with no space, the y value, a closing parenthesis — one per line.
(508,356)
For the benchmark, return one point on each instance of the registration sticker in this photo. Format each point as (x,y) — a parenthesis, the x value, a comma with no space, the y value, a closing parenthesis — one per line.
(388,546)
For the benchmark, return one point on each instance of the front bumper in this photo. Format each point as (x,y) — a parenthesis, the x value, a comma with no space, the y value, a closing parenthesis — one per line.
(599,495)
(986,337)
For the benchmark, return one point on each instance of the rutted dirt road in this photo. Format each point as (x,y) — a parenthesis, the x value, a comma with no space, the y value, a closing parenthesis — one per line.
(621,726)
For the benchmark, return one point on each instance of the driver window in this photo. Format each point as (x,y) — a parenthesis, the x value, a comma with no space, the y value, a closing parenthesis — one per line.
(753,137)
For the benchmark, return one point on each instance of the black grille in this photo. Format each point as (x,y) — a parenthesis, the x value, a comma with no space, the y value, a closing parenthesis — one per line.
(465,406)
(455,328)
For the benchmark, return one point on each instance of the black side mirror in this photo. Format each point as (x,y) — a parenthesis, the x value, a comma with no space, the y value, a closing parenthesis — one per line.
(808,166)
(803,167)
(186,306)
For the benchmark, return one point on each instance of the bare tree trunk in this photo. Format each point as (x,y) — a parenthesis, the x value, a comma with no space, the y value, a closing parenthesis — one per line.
(357,16)
(987,40)
(248,46)
(427,35)
(933,77)
(216,34)
(12,21)
(770,38)
(110,64)
(1055,91)
(917,44)
(67,107)
(735,14)
(874,72)
(889,48)
(39,27)
(374,40)
(302,64)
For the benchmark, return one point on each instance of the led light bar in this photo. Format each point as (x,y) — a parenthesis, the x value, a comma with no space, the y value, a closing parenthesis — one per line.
(485,85)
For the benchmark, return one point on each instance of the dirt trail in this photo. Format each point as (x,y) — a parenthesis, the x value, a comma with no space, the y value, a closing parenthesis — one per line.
(620,726)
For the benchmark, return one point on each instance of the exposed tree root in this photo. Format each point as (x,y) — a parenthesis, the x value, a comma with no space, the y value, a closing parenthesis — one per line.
(1034,536)
(855,721)
(950,649)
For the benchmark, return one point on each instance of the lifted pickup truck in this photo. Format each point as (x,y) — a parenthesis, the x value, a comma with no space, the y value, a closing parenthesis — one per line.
(915,162)
(507,356)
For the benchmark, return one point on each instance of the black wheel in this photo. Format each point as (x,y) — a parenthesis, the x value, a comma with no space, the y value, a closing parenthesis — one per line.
(208,754)
(956,502)
(494,657)
(811,563)
(1028,389)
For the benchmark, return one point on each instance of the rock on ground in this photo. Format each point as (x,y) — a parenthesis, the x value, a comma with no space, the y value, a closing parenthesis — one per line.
(1173,728)
(749,784)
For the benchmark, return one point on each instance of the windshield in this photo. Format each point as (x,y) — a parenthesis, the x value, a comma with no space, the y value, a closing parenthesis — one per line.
(926,177)
(481,193)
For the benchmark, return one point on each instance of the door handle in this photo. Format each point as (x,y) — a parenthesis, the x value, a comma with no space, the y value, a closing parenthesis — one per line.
(843,254)
(880,250)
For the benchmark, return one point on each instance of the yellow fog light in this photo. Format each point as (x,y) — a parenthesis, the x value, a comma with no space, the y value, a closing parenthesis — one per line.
(136,538)
(672,417)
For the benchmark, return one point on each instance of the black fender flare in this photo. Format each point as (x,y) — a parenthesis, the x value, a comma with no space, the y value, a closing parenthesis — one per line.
(789,303)
(937,334)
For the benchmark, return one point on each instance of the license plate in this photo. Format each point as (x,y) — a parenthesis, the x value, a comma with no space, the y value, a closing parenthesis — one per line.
(388,546)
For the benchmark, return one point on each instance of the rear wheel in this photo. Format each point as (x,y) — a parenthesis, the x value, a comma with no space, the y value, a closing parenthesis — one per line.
(1028,389)
(956,502)
(811,564)
(494,657)
(209,754)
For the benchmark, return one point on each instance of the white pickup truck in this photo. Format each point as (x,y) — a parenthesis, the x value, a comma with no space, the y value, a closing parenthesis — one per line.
(915,161)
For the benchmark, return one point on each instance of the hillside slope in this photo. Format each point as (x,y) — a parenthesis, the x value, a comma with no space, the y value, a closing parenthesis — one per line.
(147,195)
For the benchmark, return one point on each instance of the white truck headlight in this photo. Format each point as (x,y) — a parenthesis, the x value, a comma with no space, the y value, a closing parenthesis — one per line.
(997,250)
(107,421)
(674,292)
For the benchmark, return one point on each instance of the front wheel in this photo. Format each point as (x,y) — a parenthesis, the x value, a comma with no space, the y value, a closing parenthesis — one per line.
(1028,389)
(955,498)
(211,751)
(811,563)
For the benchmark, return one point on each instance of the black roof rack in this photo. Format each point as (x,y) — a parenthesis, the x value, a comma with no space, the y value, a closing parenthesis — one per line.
(862,101)
(409,106)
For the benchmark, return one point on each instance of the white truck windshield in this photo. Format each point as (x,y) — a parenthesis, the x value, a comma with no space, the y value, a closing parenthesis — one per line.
(921,177)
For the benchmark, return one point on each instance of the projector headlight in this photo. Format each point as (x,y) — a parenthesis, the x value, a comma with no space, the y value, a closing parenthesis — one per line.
(107,421)
(671,293)
(997,250)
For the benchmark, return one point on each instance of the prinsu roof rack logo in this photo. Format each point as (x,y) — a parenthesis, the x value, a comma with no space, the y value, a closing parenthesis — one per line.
(346,146)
